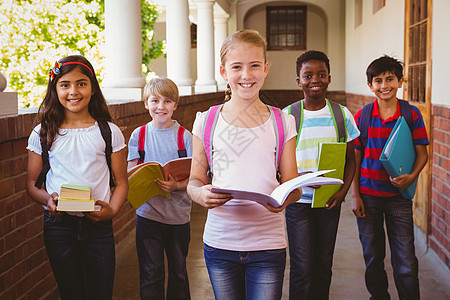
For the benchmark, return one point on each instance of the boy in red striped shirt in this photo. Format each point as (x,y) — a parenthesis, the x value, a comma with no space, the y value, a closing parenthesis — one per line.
(376,196)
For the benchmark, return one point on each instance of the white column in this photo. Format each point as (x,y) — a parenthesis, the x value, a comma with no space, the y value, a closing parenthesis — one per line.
(220,34)
(178,38)
(205,48)
(123,68)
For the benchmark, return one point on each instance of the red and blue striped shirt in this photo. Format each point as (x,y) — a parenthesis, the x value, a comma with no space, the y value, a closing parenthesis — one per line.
(374,179)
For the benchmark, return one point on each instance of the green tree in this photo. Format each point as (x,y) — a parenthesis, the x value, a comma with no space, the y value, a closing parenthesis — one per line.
(35,33)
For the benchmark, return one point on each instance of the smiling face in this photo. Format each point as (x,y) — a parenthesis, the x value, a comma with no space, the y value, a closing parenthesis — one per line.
(314,80)
(385,86)
(74,91)
(245,69)
(161,110)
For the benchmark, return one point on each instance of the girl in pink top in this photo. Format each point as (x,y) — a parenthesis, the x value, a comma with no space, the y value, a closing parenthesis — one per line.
(244,242)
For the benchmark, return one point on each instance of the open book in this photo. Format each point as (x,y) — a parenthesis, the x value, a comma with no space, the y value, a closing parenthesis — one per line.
(279,195)
(75,198)
(141,179)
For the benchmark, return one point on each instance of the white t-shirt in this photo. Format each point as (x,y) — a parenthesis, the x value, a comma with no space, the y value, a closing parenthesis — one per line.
(244,158)
(77,156)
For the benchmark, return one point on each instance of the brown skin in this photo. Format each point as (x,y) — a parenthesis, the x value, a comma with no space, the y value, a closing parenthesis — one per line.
(314,80)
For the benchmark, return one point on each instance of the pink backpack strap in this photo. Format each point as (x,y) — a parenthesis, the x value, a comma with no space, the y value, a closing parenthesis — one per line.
(279,128)
(141,143)
(208,131)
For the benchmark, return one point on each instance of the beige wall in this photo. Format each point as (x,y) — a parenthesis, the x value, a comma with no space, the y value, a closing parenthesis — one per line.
(440,52)
(325,29)
(380,33)
(282,72)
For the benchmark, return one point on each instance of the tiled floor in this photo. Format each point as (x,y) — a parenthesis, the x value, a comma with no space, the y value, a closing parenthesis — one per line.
(348,269)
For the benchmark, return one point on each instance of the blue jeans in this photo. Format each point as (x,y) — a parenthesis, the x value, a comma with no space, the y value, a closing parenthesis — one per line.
(152,239)
(82,256)
(312,237)
(400,230)
(248,275)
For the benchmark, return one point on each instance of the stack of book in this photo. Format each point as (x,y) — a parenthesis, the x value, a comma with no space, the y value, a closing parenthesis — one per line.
(75,198)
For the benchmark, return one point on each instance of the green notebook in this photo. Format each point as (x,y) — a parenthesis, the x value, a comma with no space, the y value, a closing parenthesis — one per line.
(331,156)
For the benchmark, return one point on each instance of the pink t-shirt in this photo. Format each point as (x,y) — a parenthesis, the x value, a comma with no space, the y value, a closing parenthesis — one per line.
(244,158)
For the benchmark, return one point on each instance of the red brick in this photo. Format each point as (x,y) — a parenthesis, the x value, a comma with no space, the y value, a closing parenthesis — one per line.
(438,210)
(3,129)
(19,165)
(20,183)
(5,168)
(20,147)
(6,187)
(440,199)
(45,288)
(9,293)
(7,224)
(438,223)
(29,247)
(14,274)
(440,173)
(7,261)
(15,202)
(440,237)
(12,132)
(5,150)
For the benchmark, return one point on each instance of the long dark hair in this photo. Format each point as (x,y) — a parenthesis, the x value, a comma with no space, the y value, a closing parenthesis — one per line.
(51,112)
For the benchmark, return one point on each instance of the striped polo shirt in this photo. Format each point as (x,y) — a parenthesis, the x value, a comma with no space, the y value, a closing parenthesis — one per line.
(374,179)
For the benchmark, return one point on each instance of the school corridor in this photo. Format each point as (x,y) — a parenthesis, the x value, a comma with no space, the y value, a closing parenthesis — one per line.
(348,269)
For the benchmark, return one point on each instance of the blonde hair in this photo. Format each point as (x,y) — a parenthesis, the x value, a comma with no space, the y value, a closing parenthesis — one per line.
(248,36)
(163,87)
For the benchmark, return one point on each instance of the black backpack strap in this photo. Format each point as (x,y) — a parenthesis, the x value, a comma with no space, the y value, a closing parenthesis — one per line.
(339,121)
(406,112)
(45,165)
(364,120)
(106,134)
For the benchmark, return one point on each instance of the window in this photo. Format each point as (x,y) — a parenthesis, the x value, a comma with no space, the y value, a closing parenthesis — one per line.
(377,5)
(417,58)
(193,35)
(286,27)
(358,12)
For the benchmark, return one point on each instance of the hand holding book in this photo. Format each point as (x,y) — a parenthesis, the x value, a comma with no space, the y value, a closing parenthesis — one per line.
(281,193)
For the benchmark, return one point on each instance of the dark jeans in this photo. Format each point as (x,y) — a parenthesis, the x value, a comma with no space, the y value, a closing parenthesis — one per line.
(152,238)
(240,275)
(400,230)
(82,256)
(312,237)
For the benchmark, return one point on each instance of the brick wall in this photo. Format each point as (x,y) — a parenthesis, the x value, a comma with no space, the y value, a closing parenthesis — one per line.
(439,239)
(440,191)
(25,272)
(282,98)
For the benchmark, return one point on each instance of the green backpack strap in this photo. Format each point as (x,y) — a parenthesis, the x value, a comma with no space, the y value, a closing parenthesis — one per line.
(338,115)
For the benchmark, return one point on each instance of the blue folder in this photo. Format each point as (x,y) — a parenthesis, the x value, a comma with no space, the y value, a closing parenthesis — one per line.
(399,154)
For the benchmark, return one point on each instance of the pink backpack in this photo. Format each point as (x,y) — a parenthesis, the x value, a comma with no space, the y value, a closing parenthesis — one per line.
(211,122)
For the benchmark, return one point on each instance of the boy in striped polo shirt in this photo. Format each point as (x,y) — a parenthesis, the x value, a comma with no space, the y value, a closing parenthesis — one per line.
(312,231)
(376,196)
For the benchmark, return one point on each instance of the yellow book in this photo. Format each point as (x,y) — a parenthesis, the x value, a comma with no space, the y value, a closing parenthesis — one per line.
(331,156)
(75,198)
(141,179)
